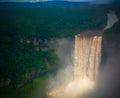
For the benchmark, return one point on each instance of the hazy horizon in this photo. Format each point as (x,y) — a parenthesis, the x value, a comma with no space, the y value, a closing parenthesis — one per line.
(91,1)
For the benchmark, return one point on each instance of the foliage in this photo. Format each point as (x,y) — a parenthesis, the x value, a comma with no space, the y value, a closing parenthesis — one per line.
(20,61)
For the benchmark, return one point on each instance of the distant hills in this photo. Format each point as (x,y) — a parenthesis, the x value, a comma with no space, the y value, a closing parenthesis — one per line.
(52,3)
(42,4)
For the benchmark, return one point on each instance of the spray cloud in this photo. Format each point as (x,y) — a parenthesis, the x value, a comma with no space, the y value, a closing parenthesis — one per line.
(63,84)
(112,19)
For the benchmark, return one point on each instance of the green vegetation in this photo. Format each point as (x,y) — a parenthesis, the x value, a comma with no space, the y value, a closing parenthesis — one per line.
(50,22)
(34,89)
(20,60)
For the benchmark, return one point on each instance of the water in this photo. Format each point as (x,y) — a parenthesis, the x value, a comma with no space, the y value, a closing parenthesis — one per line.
(87,56)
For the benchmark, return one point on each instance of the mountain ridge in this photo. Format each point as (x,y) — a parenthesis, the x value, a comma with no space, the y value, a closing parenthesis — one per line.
(42,4)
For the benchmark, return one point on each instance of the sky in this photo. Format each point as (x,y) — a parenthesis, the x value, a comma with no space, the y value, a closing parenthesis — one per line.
(92,1)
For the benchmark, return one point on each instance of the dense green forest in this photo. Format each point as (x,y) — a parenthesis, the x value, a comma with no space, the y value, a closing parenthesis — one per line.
(51,21)
(24,53)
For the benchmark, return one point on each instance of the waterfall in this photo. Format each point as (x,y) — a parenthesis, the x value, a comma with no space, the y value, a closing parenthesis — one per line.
(87,56)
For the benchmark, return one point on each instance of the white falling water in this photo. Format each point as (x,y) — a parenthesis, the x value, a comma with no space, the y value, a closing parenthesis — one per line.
(87,57)
(86,63)
(86,67)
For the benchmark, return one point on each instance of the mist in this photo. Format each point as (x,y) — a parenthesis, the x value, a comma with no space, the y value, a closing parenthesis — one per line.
(112,19)
(64,51)
(108,82)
